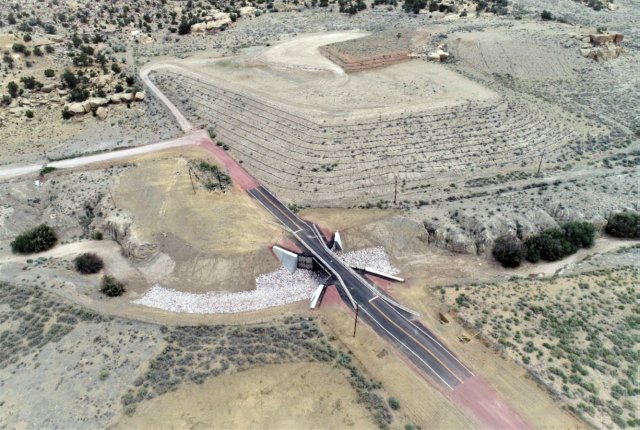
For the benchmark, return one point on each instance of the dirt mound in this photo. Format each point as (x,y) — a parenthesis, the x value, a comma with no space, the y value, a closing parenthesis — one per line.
(371,52)
(190,241)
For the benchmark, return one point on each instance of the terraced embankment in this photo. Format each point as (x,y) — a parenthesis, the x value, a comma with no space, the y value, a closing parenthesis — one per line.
(350,160)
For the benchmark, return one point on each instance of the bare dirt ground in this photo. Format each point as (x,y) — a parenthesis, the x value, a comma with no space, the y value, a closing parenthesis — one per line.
(381,49)
(259,398)
(208,236)
(303,52)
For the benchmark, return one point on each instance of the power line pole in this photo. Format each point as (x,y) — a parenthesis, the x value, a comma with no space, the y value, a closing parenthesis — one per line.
(355,324)
(112,199)
(395,192)
(540,164)
(191,178)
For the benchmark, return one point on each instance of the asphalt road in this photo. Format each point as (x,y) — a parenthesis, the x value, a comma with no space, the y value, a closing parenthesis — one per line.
(386,317)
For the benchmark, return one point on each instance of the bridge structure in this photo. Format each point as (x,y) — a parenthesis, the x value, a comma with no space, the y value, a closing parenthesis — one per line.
(389,319)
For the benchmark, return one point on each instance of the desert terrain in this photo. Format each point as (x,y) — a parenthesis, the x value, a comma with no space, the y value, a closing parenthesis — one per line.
(426,134)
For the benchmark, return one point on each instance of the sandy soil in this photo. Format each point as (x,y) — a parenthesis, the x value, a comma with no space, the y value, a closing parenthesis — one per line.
(429,409)
(272,397)
(208,236)
(313,82)
(303,53)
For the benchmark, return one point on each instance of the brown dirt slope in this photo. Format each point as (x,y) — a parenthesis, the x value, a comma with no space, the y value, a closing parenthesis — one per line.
(271,397)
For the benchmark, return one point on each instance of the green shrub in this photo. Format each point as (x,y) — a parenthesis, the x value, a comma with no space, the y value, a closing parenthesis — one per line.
(47,169)
(12,87)
(212,132)
(624,225)
(111,287)
(97,235)
(66,113)
(546,15)
(49,73)
(550,245)
(394,403)
(508,251)
(38,239)
(88,263)
(581,234)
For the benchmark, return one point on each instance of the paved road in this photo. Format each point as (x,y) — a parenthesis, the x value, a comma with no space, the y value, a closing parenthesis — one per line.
(386,317)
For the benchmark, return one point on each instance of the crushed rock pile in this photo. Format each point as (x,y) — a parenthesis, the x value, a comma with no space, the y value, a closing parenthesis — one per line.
(272,289)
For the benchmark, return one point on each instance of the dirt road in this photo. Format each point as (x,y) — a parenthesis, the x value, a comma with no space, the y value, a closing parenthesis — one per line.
(303,53)
(185,125)
(192,138)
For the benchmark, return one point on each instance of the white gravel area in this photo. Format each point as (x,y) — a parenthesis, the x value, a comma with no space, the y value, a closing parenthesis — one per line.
(272,289)
(374,258)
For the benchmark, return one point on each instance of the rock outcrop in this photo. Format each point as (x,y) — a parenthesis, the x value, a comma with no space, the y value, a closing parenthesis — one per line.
(468,234)
(102,113)
(120,228)
(438,55)
(100,103)
(600,46)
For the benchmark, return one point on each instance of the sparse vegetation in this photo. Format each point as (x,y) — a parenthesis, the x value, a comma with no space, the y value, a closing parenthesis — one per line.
(38,319)
(38,239)
(575,335)
(210,175)
(242,348)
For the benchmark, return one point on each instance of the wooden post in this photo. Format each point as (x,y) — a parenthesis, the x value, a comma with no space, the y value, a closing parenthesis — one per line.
(540,164)
(193,187)
(355,324)
(395,192)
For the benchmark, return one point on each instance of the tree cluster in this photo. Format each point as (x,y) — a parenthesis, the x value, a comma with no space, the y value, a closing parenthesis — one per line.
(625,225)
(37,239)
(550,245)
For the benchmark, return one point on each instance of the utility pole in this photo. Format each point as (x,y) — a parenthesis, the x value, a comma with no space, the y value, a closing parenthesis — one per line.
(395,192)
(112,199)
(193,187)
(540,164)
(355,324)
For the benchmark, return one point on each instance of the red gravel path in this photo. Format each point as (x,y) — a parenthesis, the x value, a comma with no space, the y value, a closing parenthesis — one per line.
(482,402)
(290,245)
(332,298)
(240,176)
